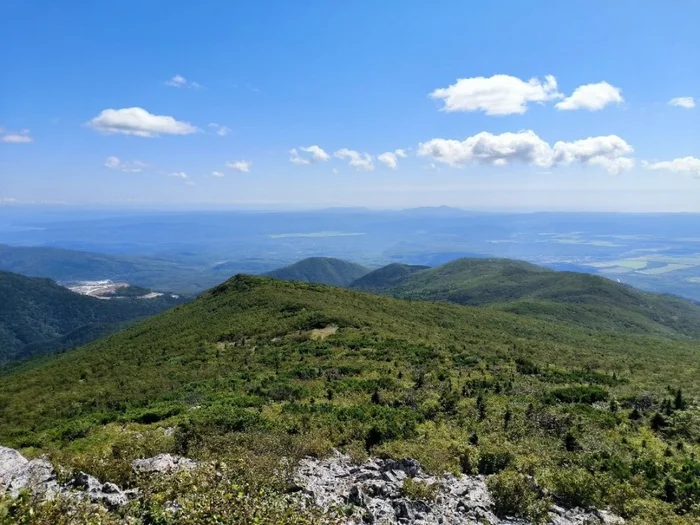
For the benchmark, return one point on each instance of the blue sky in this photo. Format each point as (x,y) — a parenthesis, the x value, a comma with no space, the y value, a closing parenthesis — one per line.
(225,90)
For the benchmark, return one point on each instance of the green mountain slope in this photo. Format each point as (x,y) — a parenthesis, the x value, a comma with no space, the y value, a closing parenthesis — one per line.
(258,371)
(519,287)
(38,317)
(321,270)
(386,277)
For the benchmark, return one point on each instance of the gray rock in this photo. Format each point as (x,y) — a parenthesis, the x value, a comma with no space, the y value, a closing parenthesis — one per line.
(162,464)
(106,494)
(375,487)
(39,477)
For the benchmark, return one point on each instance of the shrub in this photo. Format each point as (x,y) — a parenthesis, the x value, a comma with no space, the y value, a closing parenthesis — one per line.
(577,394)
(494,462)
(576,487)
(418,490)
(516,495)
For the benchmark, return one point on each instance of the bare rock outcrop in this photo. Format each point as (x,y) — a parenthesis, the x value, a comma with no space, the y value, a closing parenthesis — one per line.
(375,490)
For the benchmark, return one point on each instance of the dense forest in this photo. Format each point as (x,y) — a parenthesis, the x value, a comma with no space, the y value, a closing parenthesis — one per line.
(39,317)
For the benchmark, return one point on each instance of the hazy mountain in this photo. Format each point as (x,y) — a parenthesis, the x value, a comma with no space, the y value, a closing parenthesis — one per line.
(321,270)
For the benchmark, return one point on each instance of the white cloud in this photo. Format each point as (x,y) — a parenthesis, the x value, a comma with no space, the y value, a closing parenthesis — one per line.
(115,163)
(178,175)
(179,81)
(527,148)
(8,200)
(496,95)
(486,148)
(241,166)
(316,154)
(683,102)
(391,158)
(217,174)
(592,97)
(15,137)
(357,160)
(689,165)
(607,151)
(220,130)
(139,122)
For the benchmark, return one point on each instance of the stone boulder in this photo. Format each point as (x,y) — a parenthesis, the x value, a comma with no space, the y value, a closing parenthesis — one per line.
(162,464)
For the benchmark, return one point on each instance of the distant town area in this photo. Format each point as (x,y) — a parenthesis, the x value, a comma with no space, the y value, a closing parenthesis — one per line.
(107,289)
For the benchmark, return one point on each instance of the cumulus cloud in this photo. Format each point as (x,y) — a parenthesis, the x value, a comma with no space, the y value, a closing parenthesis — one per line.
(608,152)
(592,97)
(496,95)
(139,122)
(391,158)
(241,166)
(313,154)
(682,102)
(686,165)
(15,137)
(361,161)
(220,130)
(178,175)
(527,148)
(217,174)
(178,81)
(115,163)
(486,148)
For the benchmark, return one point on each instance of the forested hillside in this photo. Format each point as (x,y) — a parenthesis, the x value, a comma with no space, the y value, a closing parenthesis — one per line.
(257,370)
(39,317)
(593,302)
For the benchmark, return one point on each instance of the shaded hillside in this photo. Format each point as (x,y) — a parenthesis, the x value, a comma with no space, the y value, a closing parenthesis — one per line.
(39,317)
(259,371)
(519,287)
(321,270)
(386,277)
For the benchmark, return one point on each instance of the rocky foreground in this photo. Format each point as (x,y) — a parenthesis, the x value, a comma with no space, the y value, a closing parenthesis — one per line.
(377,491)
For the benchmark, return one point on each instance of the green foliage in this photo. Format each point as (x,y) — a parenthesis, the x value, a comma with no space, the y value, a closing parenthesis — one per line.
(576,487)
(418,490)
(516,495)
(577,394)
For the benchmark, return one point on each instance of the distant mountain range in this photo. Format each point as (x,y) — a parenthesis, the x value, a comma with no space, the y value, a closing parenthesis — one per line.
(39,317)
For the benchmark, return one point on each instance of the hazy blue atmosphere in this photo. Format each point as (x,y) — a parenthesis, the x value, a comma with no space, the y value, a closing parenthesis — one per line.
(578,106)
